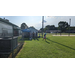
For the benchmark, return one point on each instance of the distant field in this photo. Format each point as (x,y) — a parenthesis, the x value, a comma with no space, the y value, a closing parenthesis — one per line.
(64,33)
(53,47)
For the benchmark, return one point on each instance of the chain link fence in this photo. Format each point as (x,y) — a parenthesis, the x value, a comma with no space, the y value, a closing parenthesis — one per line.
(11,42)
(20,42)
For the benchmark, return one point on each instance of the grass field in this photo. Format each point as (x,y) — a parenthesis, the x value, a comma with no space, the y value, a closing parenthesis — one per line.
(53,47)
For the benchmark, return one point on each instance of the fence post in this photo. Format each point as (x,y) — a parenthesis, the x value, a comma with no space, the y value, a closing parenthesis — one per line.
(12,41)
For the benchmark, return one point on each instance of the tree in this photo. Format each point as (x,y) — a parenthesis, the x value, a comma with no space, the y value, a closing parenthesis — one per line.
(41,29)
(46,29)
(50,27)
(63,25)
(24,26)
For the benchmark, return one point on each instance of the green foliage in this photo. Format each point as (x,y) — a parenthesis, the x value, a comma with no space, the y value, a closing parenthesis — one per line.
(72,28)
(50,27)
(46,28)
(63,25)
(40,28)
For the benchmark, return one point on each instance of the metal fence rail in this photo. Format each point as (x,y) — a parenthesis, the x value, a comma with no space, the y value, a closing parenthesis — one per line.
(9,48)
(20,41)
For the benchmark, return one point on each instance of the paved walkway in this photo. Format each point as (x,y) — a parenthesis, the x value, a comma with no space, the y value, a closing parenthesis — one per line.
(63,35)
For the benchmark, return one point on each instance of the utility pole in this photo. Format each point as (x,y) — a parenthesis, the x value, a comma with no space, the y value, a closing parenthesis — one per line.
(42,25)
(69,26)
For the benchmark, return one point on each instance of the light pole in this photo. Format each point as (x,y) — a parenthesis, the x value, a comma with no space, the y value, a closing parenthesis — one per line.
(42,25)
(69,26)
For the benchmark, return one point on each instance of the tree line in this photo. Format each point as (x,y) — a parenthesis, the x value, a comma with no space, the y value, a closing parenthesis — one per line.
(62,25)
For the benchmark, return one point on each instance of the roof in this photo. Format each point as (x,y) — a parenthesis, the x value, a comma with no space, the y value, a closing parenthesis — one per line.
(32,28)
(25,30)
(3,20)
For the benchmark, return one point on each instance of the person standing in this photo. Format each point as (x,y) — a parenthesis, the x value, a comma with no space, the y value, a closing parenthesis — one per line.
(33,35)
(44,37)
(36,34)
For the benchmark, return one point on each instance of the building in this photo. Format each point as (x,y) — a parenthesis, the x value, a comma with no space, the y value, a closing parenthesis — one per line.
(70,31)
(7,28)
(53,31)
(8,39)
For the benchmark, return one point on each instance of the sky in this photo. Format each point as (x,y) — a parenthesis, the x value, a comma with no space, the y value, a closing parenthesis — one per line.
(36,21)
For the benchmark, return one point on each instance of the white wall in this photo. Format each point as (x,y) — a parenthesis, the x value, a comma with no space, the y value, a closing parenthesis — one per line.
(5,27)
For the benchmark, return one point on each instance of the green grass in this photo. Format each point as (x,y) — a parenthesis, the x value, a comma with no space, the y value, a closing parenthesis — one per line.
(53,47)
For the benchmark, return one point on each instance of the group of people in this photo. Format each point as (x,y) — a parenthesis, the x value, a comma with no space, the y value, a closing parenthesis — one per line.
(34,35)
(44,36)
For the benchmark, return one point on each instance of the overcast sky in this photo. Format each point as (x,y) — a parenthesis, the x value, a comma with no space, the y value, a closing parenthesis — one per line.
(36,21)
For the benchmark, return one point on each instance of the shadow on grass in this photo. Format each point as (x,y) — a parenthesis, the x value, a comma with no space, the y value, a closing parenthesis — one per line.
(47,42)
(35,39)
(27,39)
(61,44)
